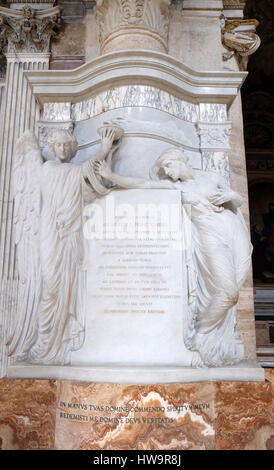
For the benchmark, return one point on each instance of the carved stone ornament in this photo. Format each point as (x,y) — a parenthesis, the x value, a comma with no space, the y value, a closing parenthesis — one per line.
(234,4)
(239,37)
(117,18)
(212,136)
(28,30)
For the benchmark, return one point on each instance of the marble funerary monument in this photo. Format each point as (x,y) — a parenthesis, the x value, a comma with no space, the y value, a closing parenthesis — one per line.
(125,248)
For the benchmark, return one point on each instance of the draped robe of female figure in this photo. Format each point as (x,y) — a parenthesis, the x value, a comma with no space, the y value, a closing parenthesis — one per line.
(65,188)
(217,255)
(218,261)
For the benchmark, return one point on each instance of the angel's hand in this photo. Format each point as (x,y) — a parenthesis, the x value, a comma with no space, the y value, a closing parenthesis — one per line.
(108,137)
(116,144)
(102,169)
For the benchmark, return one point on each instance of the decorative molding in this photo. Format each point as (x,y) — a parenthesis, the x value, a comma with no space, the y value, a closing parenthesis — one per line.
(202,9)
(239,37)
(27,29)
(214,136)
(118,19)
(147,68)
(234,4)
(202,5)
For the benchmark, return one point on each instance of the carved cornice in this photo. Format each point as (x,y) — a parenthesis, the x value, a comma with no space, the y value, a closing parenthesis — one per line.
(123,17)
(136,67)
(27,29)
(239,37)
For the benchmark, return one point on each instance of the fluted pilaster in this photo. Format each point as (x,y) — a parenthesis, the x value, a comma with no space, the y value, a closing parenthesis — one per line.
(25,35)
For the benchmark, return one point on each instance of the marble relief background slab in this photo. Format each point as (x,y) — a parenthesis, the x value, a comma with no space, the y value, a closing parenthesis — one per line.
(43,414)
(147,133)
(201,125)
(134,95)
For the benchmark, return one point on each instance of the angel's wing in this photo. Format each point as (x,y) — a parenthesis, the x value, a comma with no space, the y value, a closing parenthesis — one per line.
(27,203)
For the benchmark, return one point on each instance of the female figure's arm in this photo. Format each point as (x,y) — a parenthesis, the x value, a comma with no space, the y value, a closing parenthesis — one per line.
(127,182)
(108,147)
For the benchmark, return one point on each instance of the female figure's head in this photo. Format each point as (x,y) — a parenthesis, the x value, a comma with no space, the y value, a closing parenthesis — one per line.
(63,145)
(173,163)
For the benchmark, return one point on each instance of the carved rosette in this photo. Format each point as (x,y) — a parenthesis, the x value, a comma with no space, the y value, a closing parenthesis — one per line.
(240,39)
(28,30)
(133,24)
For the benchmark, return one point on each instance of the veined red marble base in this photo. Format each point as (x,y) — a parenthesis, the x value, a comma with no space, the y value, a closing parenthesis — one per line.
(44,414)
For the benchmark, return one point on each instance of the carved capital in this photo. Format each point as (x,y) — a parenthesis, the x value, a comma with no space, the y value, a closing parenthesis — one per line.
(240,39)
(27,29)
(130,24)
(214,136)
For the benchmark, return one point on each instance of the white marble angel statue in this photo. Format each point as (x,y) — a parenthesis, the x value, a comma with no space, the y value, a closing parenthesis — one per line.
(49,200)
(217,261)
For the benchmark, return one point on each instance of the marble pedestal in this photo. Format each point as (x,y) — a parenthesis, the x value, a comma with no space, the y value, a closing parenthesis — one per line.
(63,415)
